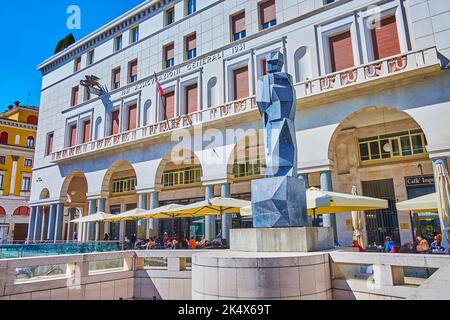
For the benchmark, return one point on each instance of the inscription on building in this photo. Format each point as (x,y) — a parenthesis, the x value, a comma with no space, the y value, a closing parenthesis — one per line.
(419,181)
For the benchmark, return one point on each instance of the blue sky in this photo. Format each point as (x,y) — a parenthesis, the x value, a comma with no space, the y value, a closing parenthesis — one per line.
(31,30)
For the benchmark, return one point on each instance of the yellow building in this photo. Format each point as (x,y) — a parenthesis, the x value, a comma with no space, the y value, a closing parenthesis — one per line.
(18,126)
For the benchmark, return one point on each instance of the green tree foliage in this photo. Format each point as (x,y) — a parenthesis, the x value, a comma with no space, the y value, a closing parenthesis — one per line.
(64,43)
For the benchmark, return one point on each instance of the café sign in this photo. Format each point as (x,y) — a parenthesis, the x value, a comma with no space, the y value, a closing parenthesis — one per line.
(419,181)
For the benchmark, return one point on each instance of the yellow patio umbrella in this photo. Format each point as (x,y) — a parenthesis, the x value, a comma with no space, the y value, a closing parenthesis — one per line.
(139,214)
(426,203)
(97,217)
(214,206)
(326,202)
(341,202)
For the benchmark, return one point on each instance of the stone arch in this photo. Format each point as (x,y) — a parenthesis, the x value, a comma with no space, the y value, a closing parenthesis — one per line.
(45,194)
(250,145)
(177,157)
(118,166)
(74,188)
(302,63)
(373,115)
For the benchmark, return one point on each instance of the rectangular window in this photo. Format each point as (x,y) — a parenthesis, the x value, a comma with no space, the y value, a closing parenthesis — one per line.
(169,105)
(2,159)
(26,183)
(133,71)
(1,181)
(392,146)
(73,135)
(124,185)
(49,146)
(90,57)
(86,131)
(191,6)
(385,39)
(134,36)
(341,51)
(191,46)
(170,16)
(74,97)
(132,117)
(118,43)
(241,85)
(115,122)
(238,28)
(183,176)
(267,14)
(191,99)
(116,79)
(169,54)
(264,67)
(77,66)
(28,163)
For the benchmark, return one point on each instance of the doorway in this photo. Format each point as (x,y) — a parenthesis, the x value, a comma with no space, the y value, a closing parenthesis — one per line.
(384,222)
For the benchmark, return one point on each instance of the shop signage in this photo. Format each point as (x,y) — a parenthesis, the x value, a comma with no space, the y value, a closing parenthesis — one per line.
(419,181)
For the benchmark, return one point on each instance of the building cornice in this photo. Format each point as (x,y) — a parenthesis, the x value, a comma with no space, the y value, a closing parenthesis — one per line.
(16,124)
(129,18)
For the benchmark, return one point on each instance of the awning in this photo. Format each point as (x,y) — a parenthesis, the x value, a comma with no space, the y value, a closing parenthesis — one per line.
(97,217)
(426,203)
(214,206)
(139,214)
(325,202)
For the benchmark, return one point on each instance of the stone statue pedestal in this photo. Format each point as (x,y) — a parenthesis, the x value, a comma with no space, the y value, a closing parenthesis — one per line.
(279,202)
(282,239)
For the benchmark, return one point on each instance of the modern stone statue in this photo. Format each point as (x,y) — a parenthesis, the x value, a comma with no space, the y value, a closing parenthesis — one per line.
(279,200)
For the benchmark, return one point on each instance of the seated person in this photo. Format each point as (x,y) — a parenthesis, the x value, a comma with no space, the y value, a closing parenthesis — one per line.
(357,245)
(193,243)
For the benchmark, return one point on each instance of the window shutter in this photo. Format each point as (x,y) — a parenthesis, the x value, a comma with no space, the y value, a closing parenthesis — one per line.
(385,39)
(73,135)
(169,52)
(241,89)
(191,42)
(239,23)
(86,131)
(132,117)
(191,99)
(341,51)
(115,122)
(133,68)
(170,105)
(268,11)
(117,75)
(50,144)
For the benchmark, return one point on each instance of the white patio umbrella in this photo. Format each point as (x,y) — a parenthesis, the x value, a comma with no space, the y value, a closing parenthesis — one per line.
(139,214)
(426,203)
(443,197)
(359,223)
(96,217)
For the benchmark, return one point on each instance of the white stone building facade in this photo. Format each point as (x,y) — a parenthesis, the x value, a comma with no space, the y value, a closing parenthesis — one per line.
(372,108)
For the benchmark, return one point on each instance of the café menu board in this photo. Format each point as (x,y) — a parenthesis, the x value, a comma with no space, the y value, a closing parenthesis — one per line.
(419,181)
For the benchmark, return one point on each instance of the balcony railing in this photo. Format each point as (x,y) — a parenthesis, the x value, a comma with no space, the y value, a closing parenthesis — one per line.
(379,69)
(138,135)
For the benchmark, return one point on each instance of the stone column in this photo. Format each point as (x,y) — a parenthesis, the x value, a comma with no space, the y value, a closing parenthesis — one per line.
(59,221)
(226,218)
(38,226)
(153,224)
(31,225)
(326,184)
(210,221)
(142,225)
(51,223)
(90,227)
